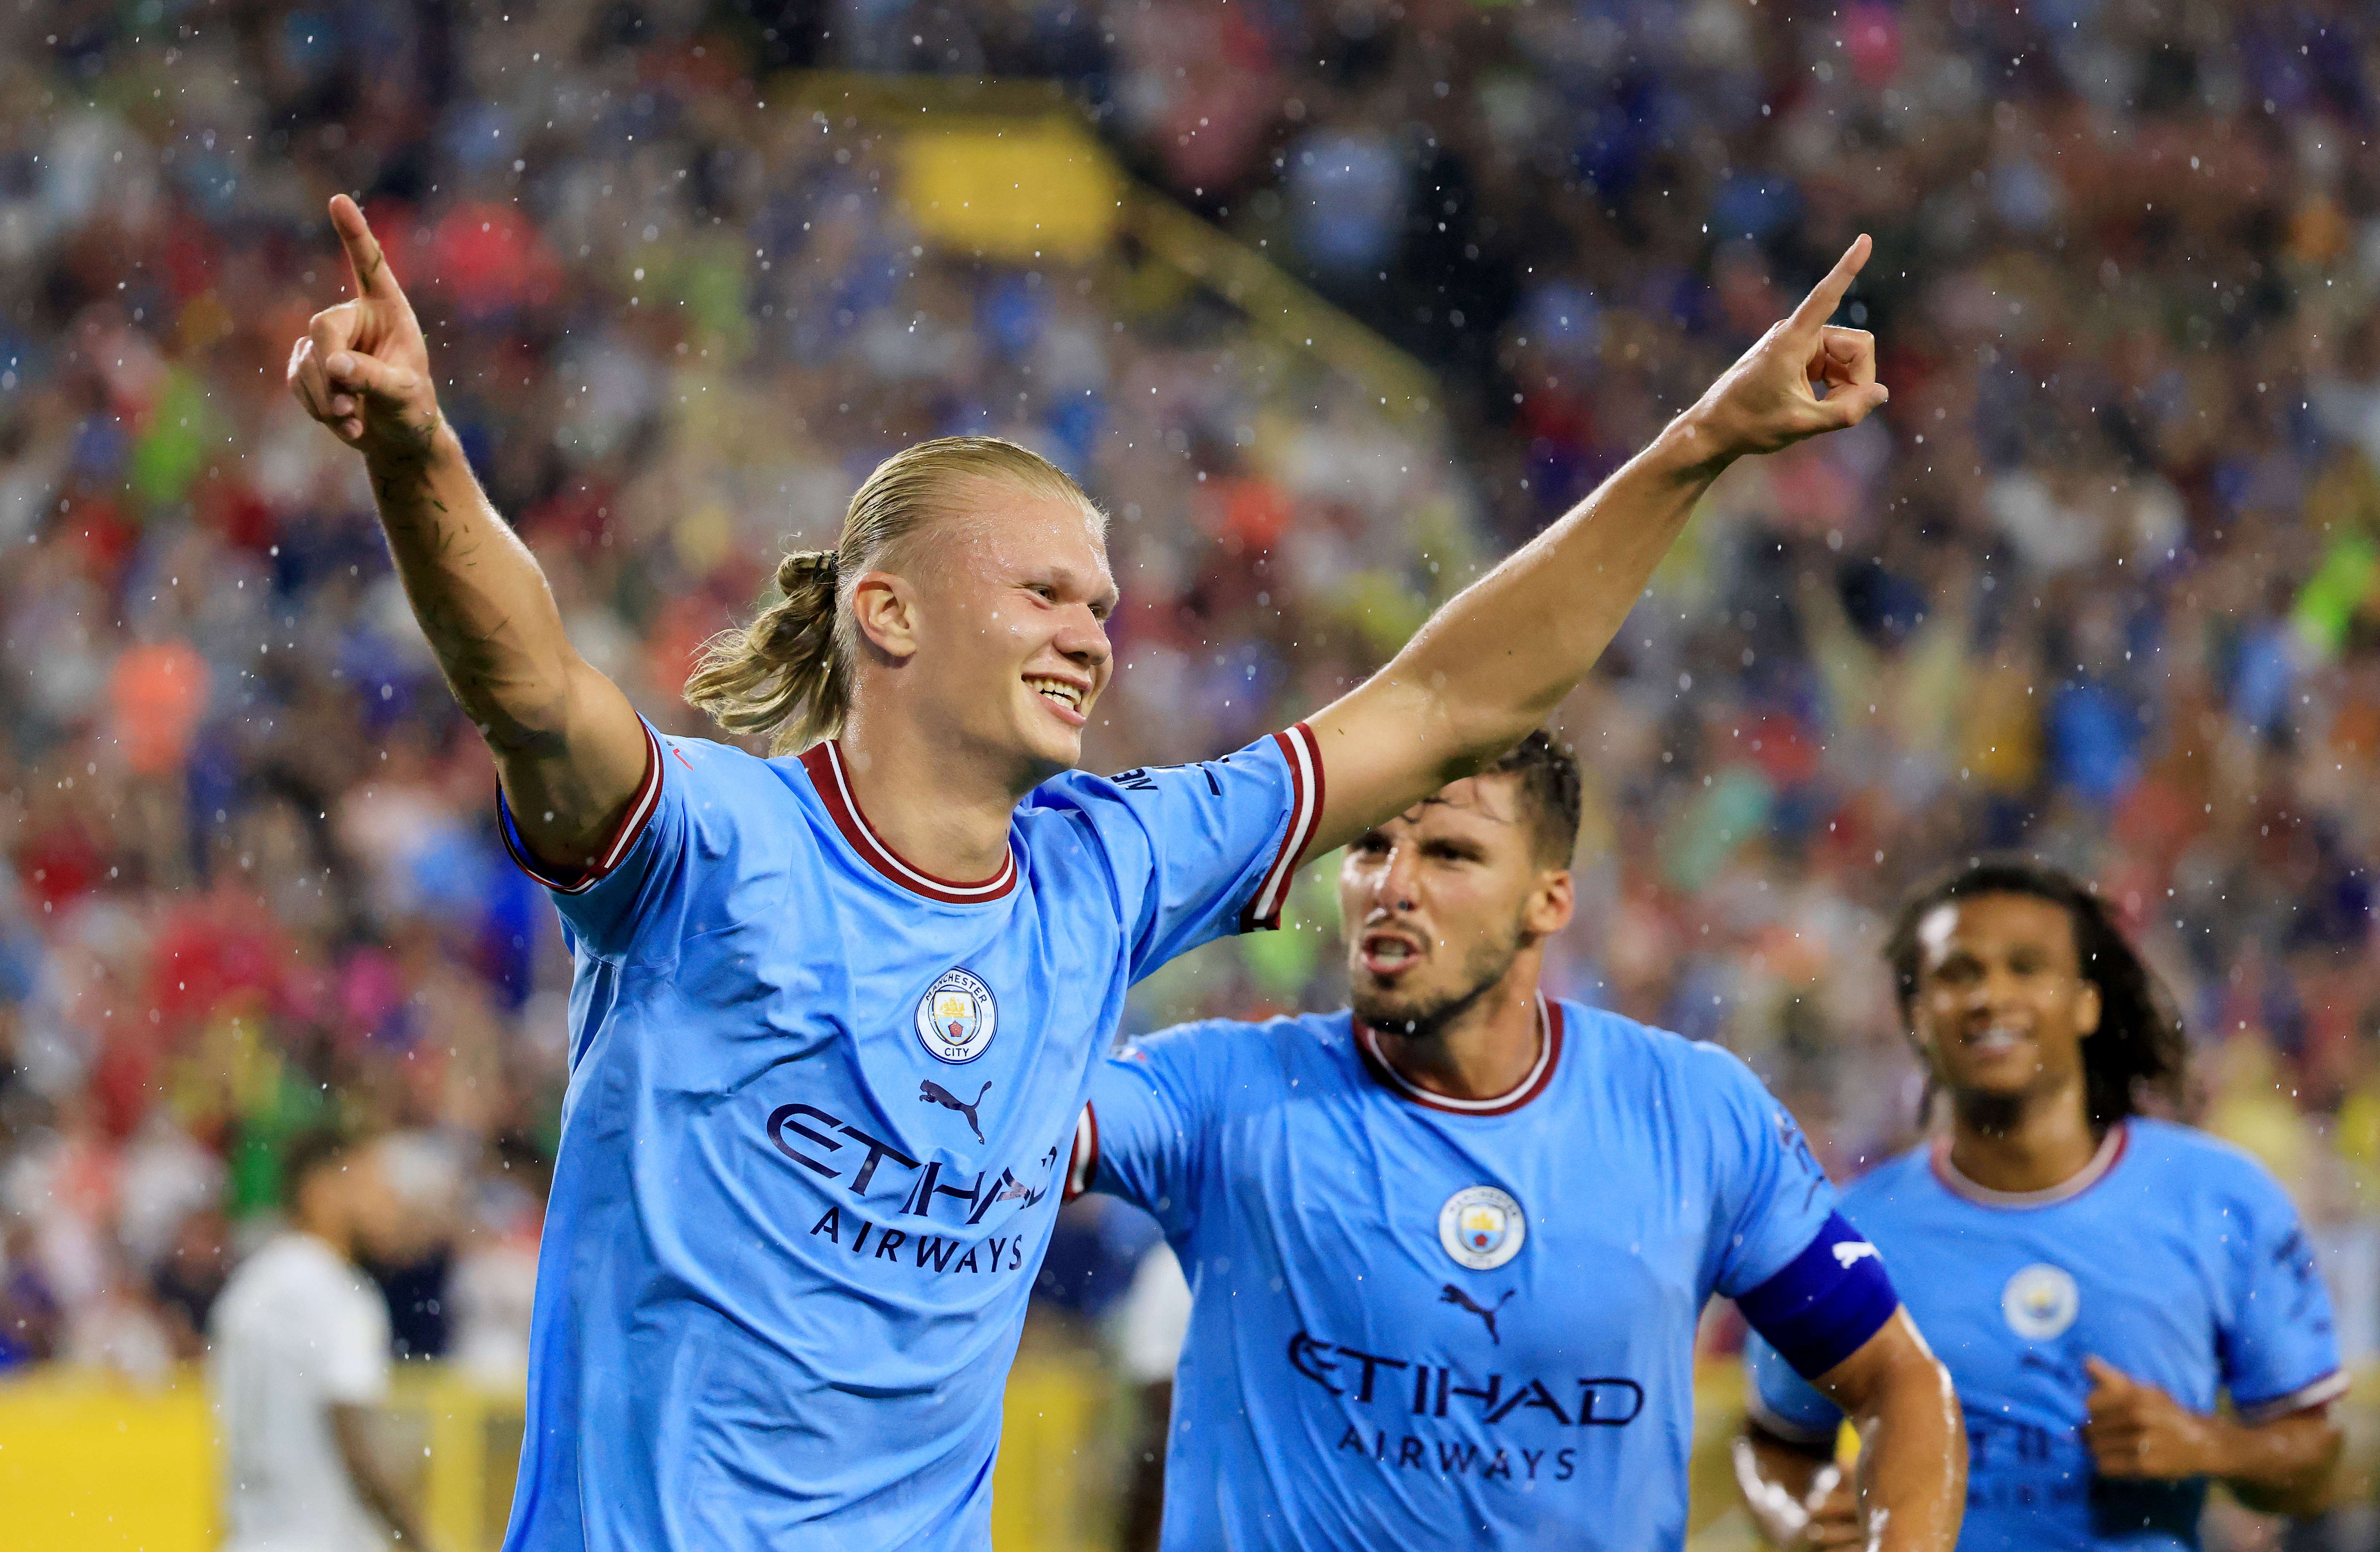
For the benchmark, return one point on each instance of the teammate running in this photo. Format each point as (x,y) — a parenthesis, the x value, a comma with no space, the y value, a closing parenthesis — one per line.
(781,1280)
(2092,1276)
(1447,1249)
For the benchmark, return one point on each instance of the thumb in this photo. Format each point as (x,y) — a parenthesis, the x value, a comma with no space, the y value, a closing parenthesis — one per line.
(2107,1375)
(359,373)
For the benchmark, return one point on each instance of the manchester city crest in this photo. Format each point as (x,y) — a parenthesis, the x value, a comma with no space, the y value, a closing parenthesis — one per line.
(956,1018)
(2040,1302)
(1481,1228)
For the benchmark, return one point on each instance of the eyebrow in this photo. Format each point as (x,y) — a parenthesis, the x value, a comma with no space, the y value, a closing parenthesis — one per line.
(1072,580)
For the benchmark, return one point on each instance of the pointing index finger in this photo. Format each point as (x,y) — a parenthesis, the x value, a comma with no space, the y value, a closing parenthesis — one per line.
(367,266)
(1828,295)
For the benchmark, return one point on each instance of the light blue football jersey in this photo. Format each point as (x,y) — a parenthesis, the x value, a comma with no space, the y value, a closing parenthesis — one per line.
(817,1113)
(2175,1257)
(1424,1323)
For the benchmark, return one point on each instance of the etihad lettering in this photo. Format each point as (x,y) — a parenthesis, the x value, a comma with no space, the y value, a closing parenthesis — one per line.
(805,1132)
(1440,1391)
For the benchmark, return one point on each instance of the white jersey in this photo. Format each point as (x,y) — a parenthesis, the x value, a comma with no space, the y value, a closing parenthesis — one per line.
(296,1331)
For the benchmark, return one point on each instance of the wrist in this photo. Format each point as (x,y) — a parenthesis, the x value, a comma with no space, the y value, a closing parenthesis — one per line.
(2216,1448)
(1691,446)
(414,460)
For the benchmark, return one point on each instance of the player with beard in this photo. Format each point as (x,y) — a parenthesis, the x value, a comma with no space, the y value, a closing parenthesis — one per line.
(1447,1248)
(2093,1277)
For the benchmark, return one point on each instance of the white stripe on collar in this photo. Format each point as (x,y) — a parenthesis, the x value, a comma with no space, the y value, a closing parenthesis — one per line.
(2111,1149)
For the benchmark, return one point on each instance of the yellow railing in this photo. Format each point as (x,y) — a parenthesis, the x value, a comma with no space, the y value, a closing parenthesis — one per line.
(91,1464)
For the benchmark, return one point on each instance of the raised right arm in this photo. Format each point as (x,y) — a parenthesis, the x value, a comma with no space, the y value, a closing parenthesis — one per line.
(569,748)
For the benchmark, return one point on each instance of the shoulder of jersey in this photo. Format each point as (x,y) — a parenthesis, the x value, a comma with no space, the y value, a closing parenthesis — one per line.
(1890,1179)
(1618,1036)
(1285,1031)
(724,770)
(2206,1158)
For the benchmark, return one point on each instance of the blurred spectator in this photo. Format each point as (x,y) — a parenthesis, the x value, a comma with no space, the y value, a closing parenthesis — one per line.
(299,1354)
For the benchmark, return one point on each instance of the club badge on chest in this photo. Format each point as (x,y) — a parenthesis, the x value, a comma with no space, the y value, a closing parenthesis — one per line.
(1482,1227)
(957,1017)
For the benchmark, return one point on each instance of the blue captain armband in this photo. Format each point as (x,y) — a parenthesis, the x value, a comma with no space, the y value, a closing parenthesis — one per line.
(1825,1303)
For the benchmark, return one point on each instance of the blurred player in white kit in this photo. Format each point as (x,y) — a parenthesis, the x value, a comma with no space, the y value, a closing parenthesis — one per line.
(299,1354)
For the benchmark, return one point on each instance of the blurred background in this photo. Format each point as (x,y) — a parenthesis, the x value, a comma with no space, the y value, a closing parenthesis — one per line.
(1329,302)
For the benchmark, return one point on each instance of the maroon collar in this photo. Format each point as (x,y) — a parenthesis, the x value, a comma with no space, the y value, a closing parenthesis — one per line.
(2103,1163)
(823,760)
(1549,1024)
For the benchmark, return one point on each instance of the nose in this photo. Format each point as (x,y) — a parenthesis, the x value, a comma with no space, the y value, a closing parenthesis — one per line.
(1395,884)
(1084,639)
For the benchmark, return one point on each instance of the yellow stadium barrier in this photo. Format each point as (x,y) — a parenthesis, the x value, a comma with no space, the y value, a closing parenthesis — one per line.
(88,1463)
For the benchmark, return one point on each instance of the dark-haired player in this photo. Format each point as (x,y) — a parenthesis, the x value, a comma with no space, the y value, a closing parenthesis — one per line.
(2093,1278)
(1447,1249)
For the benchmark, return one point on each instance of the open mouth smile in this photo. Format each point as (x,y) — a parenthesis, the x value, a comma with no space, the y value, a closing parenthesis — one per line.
(1064,696)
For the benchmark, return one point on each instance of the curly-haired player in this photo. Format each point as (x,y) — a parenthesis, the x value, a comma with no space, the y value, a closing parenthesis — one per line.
(2093,1278)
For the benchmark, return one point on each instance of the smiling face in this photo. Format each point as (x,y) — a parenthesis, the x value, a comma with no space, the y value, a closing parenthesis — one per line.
(1439,903)
(2002,1007)
(1011,630)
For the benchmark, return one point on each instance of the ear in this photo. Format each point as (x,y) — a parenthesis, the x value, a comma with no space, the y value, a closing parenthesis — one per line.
(885,608)
(1550,903)
(2088,1008)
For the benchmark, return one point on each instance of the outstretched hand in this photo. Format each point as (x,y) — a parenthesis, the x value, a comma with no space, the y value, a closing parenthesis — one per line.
(363,367)
(1766,400)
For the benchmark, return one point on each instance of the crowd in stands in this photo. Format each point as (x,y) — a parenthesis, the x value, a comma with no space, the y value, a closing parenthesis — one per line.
(2103,582)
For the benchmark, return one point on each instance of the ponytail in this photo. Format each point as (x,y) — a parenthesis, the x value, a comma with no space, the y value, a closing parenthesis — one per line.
(787,674)
(780,674)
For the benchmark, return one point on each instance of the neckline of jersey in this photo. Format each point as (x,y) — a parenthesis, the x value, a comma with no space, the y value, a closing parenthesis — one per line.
(1550,1044)
(823,760)
(2110,1152)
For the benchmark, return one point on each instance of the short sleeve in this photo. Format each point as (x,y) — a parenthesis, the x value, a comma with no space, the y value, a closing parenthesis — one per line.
(1782,1401)
(686,817)
(1771,1199)
(1200,851)
(1142,1135)
(351,1353)
(2279,1348)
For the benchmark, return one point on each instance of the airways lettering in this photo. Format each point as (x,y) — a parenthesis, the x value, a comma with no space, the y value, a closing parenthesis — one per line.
(934,1253)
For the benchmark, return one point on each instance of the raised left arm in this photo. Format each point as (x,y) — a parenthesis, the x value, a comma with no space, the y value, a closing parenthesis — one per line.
(2136,1430)
(1497,660)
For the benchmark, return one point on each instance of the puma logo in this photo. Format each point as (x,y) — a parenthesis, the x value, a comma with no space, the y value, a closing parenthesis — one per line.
(1849,1251)
(1449,1294)
(933,1093)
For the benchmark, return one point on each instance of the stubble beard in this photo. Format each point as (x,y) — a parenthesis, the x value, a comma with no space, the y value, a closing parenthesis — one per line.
(1426,1017)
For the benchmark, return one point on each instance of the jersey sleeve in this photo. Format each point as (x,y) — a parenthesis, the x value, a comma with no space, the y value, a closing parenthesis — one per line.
(2279,1348)
(1782,1401)
(685,817)
(1199,850)
(1771,1199)
(1142,1136)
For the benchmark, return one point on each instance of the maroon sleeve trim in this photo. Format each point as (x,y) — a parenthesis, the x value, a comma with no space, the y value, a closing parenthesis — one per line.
(1305,759)
(1085,1161)
(632,824)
